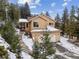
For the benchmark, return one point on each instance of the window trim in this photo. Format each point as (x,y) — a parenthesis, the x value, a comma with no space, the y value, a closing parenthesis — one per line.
(35,25)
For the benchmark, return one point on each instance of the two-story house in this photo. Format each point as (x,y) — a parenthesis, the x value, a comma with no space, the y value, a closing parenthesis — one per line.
(38,25)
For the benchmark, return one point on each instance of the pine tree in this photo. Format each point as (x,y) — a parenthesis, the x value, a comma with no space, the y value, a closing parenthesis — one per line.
(77,24)
(65,21)
(48,45)
(47,14)
(8,30)
(58,21)
(3,4)
(44,49)
(77,30)
(57,18)
(8,33)
(25,11)
(72,14)
(72,22)
(3,53)
(36,51)
(13,13)
(78,14)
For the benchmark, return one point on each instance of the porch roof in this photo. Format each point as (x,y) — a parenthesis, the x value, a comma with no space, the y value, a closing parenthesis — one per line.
(23,20)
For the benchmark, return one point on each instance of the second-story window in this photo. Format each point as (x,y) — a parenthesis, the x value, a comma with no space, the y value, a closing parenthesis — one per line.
(35,24)
(51,24)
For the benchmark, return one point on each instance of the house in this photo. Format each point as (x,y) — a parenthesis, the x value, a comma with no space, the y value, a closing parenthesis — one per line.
(38,25)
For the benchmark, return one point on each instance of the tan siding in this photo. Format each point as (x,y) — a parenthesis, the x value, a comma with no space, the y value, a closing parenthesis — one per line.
(55,35)
(37,35)
(42,23)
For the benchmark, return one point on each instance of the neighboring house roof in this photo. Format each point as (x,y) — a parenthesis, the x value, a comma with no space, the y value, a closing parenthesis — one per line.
(23,20)
(49,28)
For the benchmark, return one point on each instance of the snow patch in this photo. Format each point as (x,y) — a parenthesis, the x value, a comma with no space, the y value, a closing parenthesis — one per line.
(11,55)
(69,46)
(3,42)
(17,31)
(28,41)
(25,56)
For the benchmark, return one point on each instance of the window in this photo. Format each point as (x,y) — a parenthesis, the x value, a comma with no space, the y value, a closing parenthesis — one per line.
(50,23)
(22,26)
(26,24)
(35,24)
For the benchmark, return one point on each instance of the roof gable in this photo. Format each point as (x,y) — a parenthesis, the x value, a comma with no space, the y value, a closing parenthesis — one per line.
(34,18)
(47,18)
(44,17)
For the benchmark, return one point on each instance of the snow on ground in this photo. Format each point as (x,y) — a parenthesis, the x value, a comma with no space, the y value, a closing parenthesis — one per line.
(6,45)
(3,42)
(50,56)
(11,55)
(62,54)
(28,41)
(69,46)
(17,31)
(25,56)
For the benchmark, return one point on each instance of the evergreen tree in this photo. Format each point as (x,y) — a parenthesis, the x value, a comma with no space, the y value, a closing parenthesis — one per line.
(72,14)
(77,30)
(44,49)
(18,52)
(58,21)
(25,11)
(8,30)
(8,33)
(13,13)
(57,18)
(47,14)
(77,24)
(49,50)
(78,14)
(65,21)
(36,51)
(3,53)
(72,22)
(3,4)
